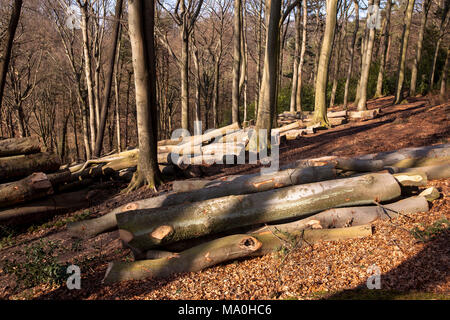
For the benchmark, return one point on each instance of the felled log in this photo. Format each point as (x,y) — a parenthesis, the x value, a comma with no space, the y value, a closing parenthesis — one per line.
(220,250)
(411,179)
(363,115)
(353,216)
(337,114)
(190,144)
(170,142)
(30,188)
(296,125)
(142,229)
(337,121)
(240,185)
(403,158)
(436,172)
(240,136)
(191,260)
(48,207)
(273,241)
(189,185)
(18,146)
(297,133)
(430,194)
(17,167)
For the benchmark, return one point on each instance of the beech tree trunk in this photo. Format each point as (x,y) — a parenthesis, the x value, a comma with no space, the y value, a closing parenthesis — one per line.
(445,71)
(6,51)
(295,71)
(221,250)
(18,146)
(352,53)
(379,90)
(46,208)
(141,25)
(352,216)
(367,61)
(426,4)
(109,78)
(302,57)
(268,90)
(320,106)
(33,187)
(403,51)
(237,30)
(17,167)
(191,260)
(88,71)
(144,229)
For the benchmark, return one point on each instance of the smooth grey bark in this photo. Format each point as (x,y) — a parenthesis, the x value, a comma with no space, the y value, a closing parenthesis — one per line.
(6,55)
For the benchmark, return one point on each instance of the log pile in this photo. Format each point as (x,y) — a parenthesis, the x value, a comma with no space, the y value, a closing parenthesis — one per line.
(205,222)
(294,125)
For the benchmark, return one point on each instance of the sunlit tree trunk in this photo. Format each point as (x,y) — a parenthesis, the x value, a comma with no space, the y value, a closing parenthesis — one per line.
(295,72)
(267,94)
(426,4)
(302,57)
(403,51)
(6,51)
(352,54)
(237,30)
(88,70)
(381,71)
(320,107)
(367,61)
(141,28)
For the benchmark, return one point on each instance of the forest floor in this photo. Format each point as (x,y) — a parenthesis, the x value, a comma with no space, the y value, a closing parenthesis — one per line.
(412,253)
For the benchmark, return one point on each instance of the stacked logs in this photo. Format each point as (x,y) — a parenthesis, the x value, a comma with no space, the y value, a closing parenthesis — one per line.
(34,185)
(298,124)
(208,222)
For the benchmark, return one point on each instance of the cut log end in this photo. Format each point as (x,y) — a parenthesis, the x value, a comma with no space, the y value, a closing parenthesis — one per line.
(125,236)
(250,243)
(161,233)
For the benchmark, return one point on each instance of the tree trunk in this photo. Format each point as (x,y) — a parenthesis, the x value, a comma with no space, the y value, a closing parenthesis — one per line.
(442,29)
(42,209)
(445,71)
(379,90)
(109,78)
(144,229)
(191,260)
(426,4)
(141,26)
(403,51)
(302,57)
(18,146)
(320,105)
(184,79)
(268,90)
(367,61)
(17,167)
(6,53)
(33,187)
(352,54)
(237,30)
(295,72)
(88,71)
